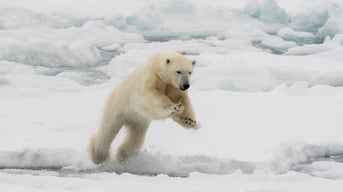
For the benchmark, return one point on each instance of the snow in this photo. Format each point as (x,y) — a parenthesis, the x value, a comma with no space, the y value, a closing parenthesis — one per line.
(72,47)
(267,11)
(267,91)
(277,44)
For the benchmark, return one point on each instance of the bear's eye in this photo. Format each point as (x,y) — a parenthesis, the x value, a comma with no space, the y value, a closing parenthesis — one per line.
(189,72)
(178,72)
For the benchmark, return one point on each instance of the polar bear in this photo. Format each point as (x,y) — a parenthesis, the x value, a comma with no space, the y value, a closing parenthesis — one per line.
(155,90)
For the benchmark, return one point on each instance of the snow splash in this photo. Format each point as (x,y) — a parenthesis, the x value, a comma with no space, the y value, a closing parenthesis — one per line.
(76,162)
(301,157)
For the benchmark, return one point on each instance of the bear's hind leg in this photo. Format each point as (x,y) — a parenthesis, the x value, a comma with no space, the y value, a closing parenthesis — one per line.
(134,140)
(100,144)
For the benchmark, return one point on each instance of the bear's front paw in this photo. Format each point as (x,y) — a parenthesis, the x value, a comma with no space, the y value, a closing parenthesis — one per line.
(188,122)
(177,109)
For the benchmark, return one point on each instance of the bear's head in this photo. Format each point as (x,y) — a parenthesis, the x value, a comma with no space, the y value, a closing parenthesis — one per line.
(176,70)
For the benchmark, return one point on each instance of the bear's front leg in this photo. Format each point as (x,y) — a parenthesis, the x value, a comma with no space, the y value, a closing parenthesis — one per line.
(186,121)
(186,118)
(154,105)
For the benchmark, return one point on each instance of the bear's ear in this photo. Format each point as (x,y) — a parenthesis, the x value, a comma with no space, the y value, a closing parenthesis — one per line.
(194,62)
(167,61)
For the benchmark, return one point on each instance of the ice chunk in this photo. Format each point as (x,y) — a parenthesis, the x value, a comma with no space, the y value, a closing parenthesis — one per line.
(322,20)
(112,47)
(287,32)
(299,37)
(164,20)
(39,158)
(291,155)
(244,30)
(189,47)
(15,17)
(332,27)
(307,49)
(267,10)
(326,168)
(72,47)
(335,41)
(277,45)
(329,44)
(261,71)
(311,20)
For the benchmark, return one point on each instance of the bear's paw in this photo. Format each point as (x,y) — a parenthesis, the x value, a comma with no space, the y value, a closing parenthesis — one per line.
(188,122)
(177,109)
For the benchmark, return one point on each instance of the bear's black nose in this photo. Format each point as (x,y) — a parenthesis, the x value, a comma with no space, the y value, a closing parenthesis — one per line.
(184,87)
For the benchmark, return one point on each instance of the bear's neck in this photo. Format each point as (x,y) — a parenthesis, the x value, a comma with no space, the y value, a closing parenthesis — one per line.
(174,94)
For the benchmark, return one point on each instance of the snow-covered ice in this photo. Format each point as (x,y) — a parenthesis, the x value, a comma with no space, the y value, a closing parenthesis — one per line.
(267,90)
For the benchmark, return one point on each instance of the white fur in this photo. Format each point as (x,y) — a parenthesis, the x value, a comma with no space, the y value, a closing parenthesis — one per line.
(150,92)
